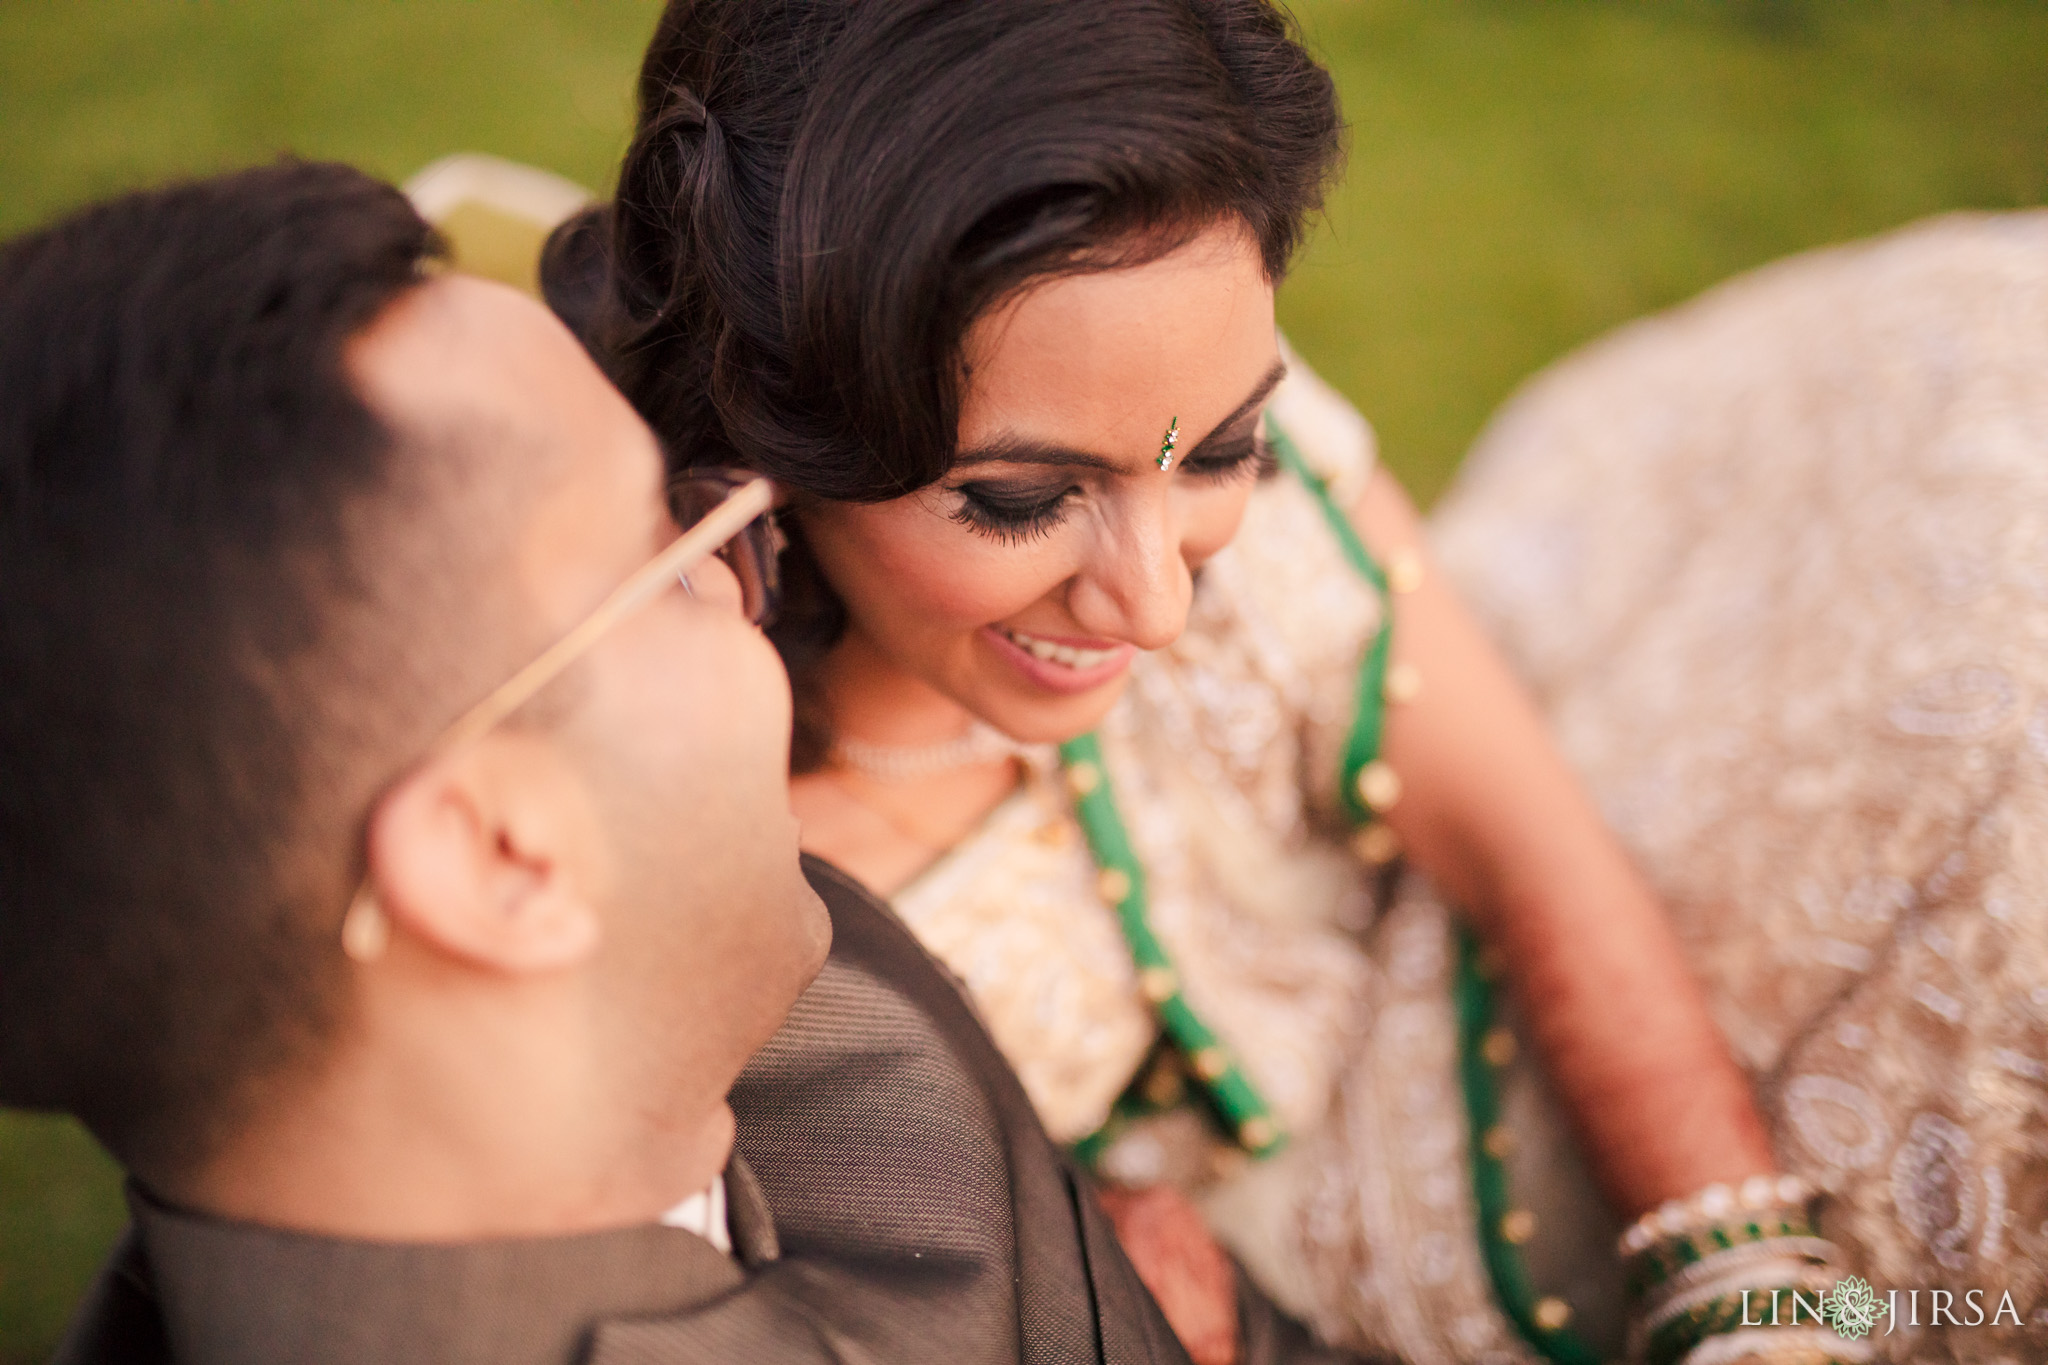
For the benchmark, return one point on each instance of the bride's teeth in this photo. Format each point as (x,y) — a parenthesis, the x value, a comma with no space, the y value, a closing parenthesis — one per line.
(1067,656)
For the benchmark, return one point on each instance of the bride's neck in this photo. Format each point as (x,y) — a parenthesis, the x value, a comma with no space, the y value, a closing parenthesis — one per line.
(885,832)
(871,699)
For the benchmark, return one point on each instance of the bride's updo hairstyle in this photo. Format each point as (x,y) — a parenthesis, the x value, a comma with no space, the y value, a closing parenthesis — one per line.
(822,195)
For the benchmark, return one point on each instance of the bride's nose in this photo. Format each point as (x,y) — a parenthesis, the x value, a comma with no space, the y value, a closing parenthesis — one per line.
(1136,584)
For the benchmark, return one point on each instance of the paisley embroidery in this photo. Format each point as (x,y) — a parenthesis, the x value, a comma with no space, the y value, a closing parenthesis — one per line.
(1967,703)
(1839,1123)
(1799,648)
(1933,1188)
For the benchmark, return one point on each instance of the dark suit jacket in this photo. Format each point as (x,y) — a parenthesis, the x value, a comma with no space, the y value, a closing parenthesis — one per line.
(190,1288)
(922,1215)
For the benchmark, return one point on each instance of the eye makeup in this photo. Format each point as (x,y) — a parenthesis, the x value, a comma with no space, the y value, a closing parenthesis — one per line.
(1012,512)
(1016,511)
(1022,509)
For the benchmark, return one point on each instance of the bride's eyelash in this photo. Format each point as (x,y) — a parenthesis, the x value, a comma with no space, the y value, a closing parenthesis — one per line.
(1006,516)
(1248,455)
(1015,518)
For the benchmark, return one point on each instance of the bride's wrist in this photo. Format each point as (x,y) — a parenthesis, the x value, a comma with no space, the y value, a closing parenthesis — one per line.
(1732,1273)
(1717,1203)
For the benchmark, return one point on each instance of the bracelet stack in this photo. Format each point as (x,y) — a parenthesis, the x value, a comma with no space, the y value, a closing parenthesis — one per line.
(1734,1274)
(1714,1205)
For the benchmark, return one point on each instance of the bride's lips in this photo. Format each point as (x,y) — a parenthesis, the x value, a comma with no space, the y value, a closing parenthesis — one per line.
(1070,666)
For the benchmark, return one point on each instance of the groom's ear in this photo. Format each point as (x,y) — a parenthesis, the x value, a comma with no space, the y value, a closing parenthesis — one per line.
(491,857)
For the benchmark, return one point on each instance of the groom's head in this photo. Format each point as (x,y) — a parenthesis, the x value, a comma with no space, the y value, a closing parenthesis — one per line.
(278,504)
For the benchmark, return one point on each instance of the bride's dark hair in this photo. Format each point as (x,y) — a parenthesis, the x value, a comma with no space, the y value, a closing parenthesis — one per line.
(822,195)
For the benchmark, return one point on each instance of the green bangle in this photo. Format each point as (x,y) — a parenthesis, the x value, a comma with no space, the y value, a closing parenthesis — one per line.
(1714,1318)
(1737,1261)
(1718,1317)
(1650,1268)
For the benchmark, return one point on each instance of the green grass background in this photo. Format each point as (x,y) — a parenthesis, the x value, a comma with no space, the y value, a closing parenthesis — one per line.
(1524,175)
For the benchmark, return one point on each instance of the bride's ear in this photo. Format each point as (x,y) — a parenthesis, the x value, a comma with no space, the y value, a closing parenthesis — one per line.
(488,856)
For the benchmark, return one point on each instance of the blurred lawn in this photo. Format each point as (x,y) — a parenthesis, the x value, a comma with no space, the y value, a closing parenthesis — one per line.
(1527,173)
(1524,174)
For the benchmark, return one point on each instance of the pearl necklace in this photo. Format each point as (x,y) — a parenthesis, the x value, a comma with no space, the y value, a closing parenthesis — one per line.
(899,763)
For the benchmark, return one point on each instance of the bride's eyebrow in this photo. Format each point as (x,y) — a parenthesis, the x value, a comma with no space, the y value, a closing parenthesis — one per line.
(1019,450)
(1259,394)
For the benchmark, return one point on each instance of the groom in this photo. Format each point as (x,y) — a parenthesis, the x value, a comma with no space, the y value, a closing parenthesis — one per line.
(396,867)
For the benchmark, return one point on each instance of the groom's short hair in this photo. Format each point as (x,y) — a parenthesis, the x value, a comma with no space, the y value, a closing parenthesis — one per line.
(184,688)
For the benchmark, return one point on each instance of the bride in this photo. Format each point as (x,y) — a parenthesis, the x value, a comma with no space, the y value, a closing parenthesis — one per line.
(1124,673)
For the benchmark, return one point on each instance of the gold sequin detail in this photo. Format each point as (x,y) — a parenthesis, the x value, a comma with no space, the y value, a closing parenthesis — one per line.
(1114,884)
(1404,572)
(1497,1047)
(1053,834)
(1379,786)
(1158,984)
(1376,844)
(1518,1226)
(1404,683)
(1552,1314)
(1083,777)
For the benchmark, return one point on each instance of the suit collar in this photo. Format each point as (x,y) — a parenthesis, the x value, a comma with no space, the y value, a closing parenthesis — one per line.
(747,1216)
(237,1294)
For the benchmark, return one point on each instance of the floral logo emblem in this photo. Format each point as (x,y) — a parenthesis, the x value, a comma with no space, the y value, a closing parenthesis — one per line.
(1853,1309)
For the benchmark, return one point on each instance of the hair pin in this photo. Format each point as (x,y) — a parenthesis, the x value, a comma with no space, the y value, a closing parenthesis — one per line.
(1166,445)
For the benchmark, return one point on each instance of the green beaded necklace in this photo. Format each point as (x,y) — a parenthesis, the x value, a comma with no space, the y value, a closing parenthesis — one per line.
(1367,788)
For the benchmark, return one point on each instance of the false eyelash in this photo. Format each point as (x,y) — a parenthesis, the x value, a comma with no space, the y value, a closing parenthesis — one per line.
(1011,523)
(1269,459)
(1015,523)
(1250,457)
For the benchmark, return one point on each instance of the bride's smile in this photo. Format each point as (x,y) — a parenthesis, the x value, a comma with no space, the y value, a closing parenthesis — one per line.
(1059,664)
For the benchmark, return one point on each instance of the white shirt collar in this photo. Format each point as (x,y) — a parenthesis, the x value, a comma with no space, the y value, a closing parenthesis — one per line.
(704,1214)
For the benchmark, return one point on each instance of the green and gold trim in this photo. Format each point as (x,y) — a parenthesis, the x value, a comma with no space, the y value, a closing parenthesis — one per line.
(1502,1227)
(1120,880)
(1367,788)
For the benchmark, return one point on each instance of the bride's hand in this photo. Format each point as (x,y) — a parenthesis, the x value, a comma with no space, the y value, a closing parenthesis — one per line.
(1179,1261)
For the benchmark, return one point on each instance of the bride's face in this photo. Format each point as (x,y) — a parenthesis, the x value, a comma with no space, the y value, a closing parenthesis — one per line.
(1023,583)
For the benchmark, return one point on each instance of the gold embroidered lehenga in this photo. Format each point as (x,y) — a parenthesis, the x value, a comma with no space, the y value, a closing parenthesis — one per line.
(1777,565)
